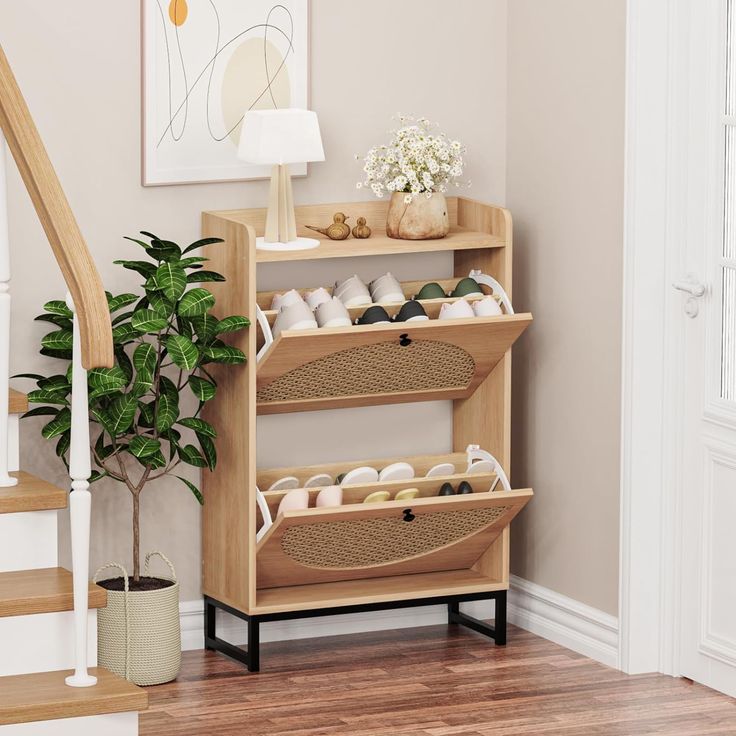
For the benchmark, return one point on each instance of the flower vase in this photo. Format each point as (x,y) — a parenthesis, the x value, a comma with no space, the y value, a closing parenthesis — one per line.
(423,218)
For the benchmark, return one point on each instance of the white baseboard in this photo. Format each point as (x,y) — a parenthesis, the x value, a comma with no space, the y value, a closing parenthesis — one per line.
(543,612)
(565,621)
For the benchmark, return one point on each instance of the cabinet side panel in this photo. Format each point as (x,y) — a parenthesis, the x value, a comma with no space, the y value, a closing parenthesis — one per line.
(228,533)
(485,418)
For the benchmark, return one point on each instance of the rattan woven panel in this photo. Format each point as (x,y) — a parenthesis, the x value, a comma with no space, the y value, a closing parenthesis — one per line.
(370,542)
(383,368)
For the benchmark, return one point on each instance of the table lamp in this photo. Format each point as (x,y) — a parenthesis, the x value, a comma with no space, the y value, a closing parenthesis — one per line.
(280,138)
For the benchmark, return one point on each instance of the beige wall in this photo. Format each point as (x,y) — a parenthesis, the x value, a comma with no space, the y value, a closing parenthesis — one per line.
(78,63)
(565,189)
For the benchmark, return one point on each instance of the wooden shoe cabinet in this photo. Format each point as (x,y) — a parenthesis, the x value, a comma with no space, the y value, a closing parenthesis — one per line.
(360,557)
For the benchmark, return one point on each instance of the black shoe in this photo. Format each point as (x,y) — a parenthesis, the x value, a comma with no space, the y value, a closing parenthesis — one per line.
(464,488)
(446,490)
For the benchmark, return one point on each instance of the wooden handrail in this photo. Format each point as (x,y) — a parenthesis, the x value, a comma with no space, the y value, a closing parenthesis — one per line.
(62,231)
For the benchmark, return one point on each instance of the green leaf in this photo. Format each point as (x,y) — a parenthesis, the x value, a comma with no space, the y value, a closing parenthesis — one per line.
(208,448)
(120,301)
(171,279)
(41,411)
(157,460)
(197,494)
(58,307)
(121,413)
(184,326)
(202,389)
(58,426)
(183,352)
(193,262)
(144,358)
(102,418)
(143,245)
(164,250)
(202,243)
(223,354)
(143,383)
(144,268)
(124,333)
(62,446)
(55,319)
(195,303)
(143,447)
(104,381)
(121,318)
(161,305)
(199,426)
(232,324)
(168,412)
(169,388)
(59,340)
(145,418)
(149,235)
(124,363)
(59,384)
(192,456)
(205,327)
(60,354)
(148,320)
(47,397)
(200,277)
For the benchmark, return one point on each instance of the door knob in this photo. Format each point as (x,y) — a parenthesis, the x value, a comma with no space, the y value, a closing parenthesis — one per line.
(694,289)
(690,286)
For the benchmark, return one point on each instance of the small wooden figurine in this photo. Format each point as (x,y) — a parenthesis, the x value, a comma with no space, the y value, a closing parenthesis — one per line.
(361,230)
(337,231)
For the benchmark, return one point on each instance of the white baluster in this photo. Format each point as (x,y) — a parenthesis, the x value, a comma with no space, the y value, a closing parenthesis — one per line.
(80,503)
(5,478)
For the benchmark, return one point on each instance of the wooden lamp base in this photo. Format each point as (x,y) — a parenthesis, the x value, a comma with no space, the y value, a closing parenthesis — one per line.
(280,221)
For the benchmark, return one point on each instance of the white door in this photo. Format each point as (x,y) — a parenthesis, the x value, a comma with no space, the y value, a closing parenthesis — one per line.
(706,417)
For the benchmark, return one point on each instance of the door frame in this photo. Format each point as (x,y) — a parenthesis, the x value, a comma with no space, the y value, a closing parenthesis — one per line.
(657,130)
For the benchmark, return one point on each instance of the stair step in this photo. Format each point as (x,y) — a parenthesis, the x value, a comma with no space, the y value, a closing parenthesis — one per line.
(47,590)
(18,402)
(31,494)
(44,696)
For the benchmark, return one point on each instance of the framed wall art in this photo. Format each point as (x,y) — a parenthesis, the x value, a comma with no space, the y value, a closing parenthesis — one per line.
(205,62)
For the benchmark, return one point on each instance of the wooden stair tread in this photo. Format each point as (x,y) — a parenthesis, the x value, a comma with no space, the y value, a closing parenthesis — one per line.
(44,696)
(17,402)
(46,590)
(31,494)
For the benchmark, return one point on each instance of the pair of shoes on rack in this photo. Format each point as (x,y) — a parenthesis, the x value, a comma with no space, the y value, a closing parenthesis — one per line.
(463,488)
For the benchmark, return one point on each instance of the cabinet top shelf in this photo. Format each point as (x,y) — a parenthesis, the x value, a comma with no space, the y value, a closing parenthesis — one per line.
(459,238)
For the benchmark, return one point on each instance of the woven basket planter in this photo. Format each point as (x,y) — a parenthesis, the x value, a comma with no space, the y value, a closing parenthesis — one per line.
(138,632)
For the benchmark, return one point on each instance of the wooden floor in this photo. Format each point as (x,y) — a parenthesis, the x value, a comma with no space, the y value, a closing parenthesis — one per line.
(428,681)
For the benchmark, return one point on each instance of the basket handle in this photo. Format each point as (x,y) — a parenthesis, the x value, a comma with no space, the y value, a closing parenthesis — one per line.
(156,553)
(126,591)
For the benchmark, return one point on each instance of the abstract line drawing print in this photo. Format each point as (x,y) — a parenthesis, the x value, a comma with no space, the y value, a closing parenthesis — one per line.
(205,63)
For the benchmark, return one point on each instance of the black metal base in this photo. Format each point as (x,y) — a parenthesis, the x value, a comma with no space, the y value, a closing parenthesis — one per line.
(250,656)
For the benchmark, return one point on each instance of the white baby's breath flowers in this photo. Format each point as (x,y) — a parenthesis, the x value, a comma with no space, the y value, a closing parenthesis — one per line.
(415,162)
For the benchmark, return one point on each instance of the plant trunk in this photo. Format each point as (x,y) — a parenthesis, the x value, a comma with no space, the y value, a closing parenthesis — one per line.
(136,537)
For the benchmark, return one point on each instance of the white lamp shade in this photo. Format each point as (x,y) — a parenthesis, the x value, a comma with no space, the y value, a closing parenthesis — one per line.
(280,137)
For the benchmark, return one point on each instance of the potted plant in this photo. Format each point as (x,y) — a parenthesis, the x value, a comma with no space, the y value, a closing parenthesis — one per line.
(417,167)
(164,339)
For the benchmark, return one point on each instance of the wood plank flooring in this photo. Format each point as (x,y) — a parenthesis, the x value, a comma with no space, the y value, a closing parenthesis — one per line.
(431,681)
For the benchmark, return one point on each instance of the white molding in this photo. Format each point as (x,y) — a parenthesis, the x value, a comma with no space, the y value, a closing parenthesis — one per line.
(543,612)
(565,621)
(655,129)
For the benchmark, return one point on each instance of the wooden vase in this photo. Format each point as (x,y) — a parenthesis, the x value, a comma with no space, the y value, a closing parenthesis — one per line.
(421,219)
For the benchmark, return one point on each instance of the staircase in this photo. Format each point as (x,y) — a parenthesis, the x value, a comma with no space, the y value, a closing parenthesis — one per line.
(48,614)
